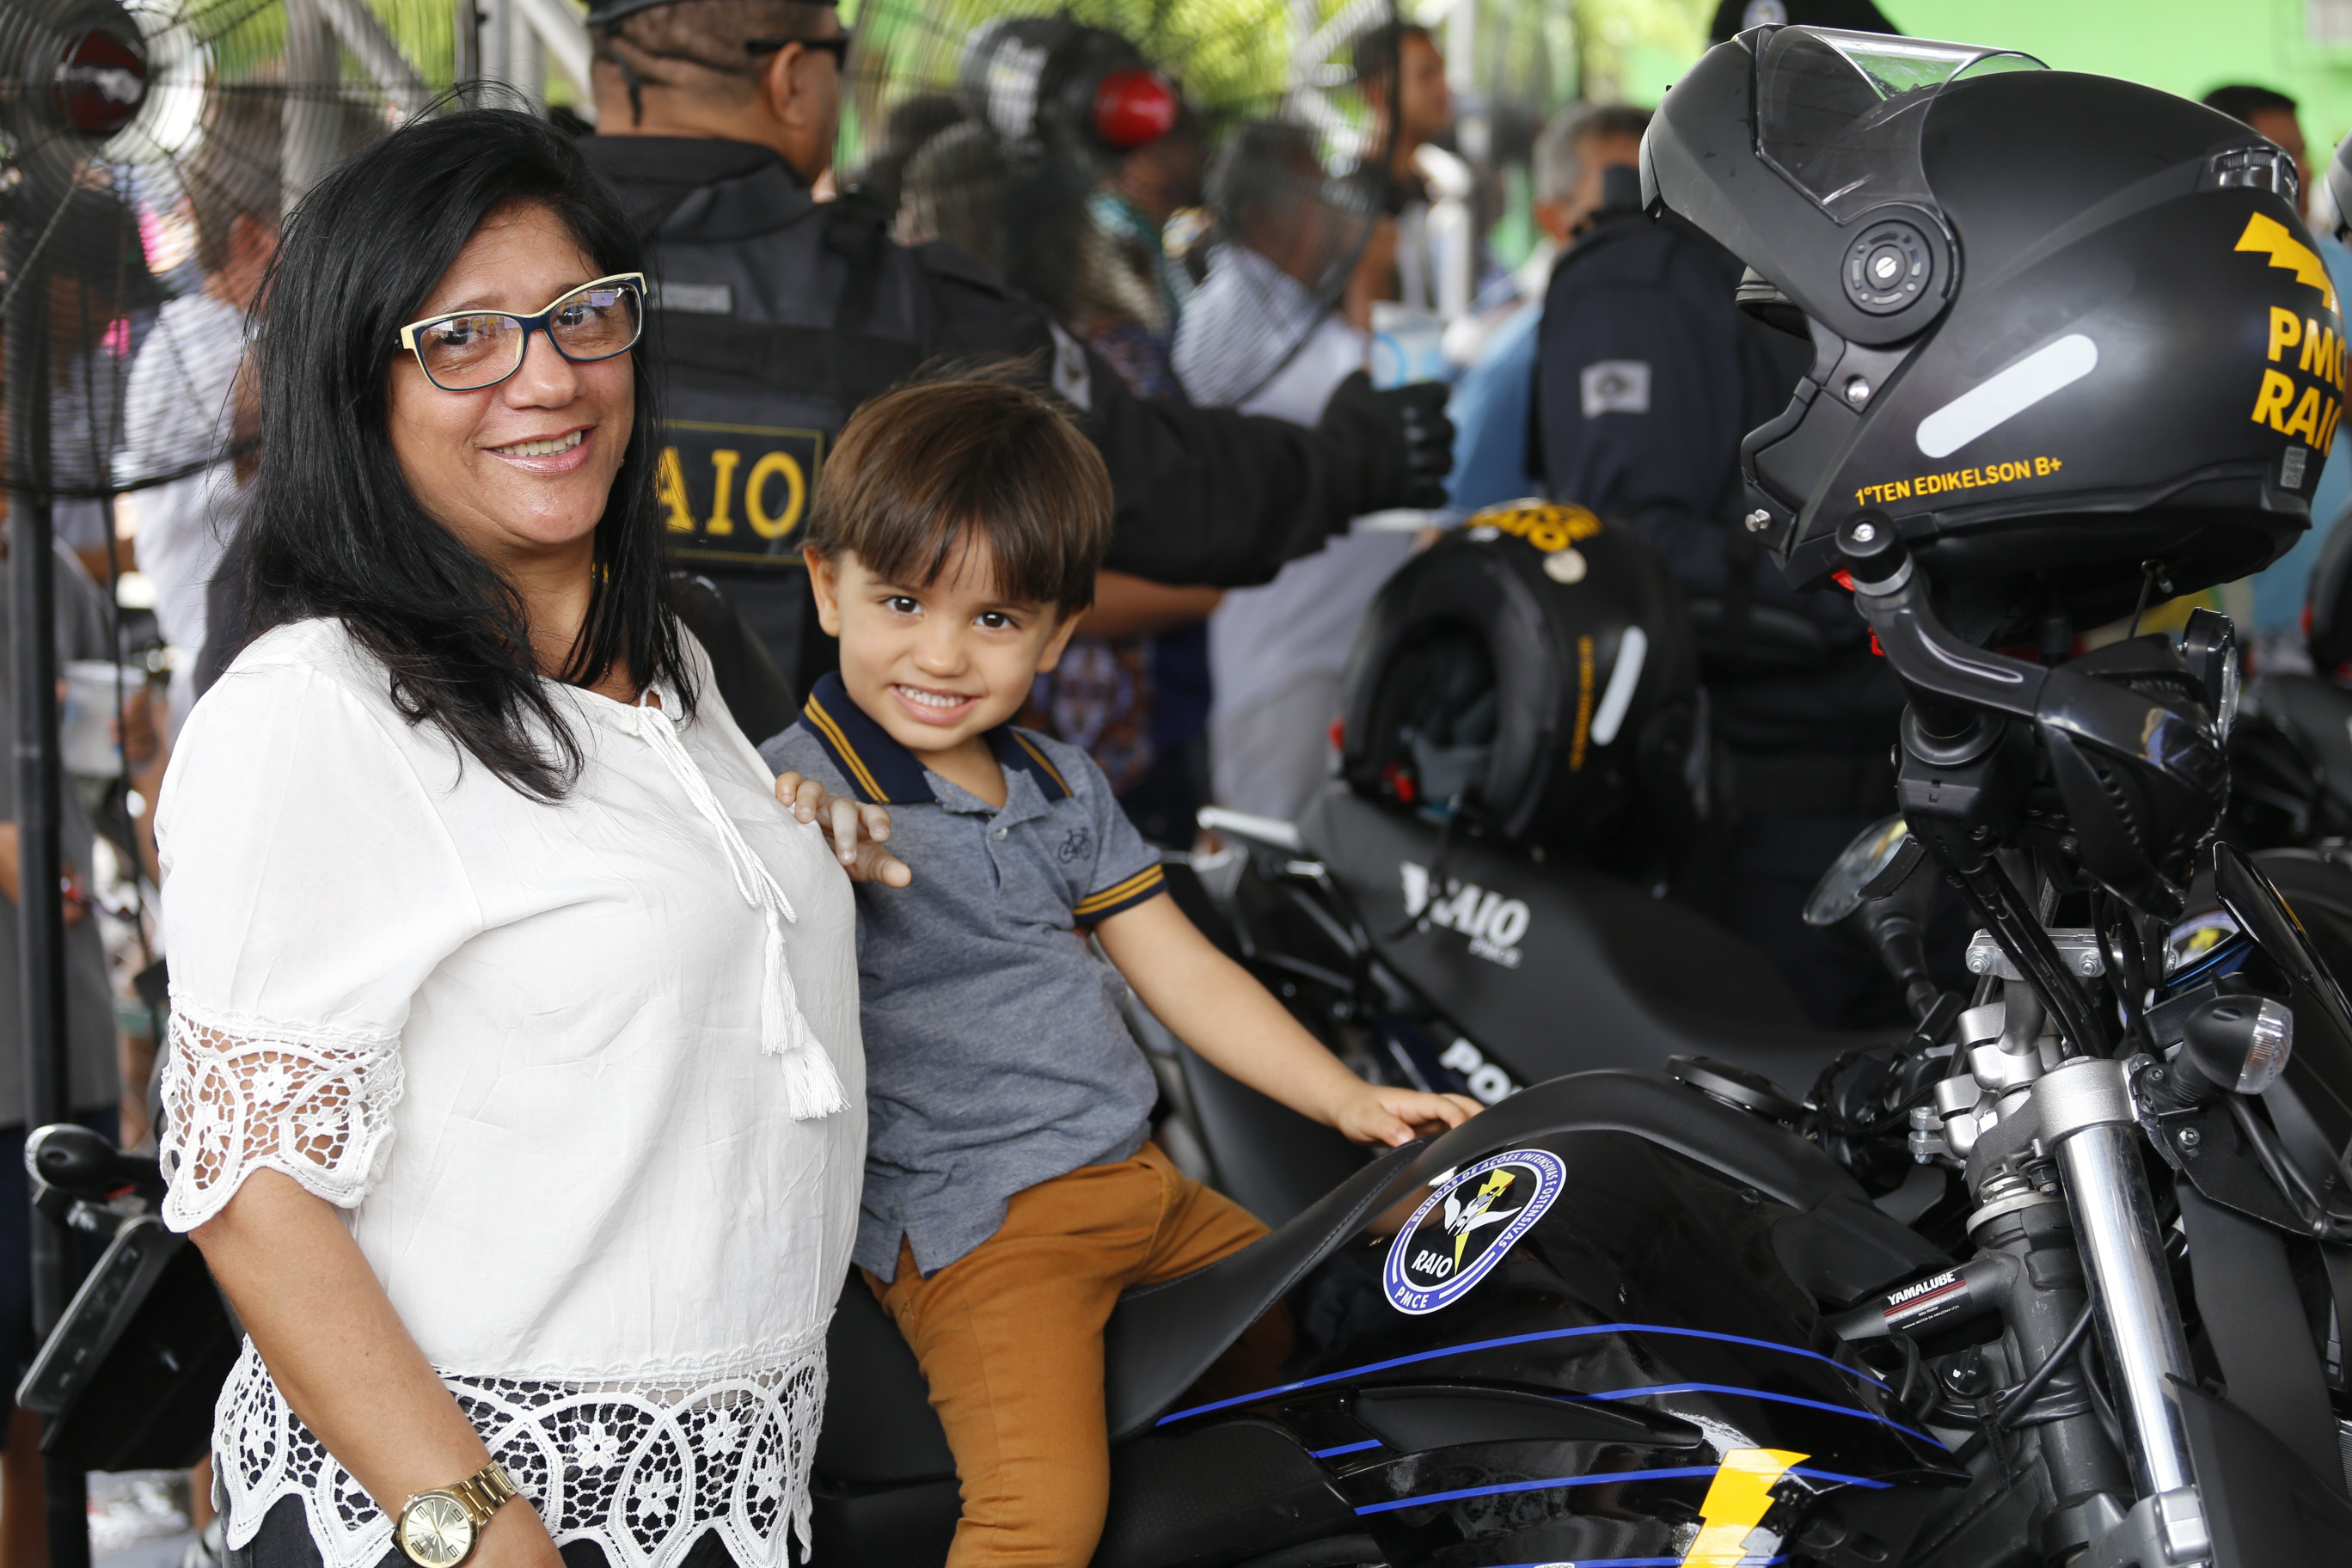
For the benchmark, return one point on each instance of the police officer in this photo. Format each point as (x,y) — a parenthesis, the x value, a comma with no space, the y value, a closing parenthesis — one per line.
(777,314)
(1650,372)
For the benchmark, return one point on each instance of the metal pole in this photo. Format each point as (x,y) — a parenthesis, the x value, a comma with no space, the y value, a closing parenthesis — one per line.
(466,63)
(40,910)
(526,57)
(2086,1110)
(313,119)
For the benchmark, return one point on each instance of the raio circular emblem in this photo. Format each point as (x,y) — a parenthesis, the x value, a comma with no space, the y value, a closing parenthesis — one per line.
(1465,1227)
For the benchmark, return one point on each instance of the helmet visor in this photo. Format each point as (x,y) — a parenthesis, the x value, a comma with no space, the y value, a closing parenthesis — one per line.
(1838,114)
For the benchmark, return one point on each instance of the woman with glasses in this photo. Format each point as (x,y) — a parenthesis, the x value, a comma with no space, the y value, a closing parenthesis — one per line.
(488,931)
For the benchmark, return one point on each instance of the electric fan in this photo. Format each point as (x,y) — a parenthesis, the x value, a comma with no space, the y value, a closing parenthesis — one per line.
(146,149)
(1006,127)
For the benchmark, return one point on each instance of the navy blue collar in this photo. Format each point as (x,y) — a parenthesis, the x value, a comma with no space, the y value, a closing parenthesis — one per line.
(885,773)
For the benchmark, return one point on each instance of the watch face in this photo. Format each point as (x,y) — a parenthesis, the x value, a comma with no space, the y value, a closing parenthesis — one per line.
(435,1530)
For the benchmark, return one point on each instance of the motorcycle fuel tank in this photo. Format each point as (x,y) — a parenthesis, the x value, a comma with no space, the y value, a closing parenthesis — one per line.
(1558,1343)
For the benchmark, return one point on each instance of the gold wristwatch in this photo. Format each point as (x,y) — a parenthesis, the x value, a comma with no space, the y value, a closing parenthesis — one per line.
(438,1529)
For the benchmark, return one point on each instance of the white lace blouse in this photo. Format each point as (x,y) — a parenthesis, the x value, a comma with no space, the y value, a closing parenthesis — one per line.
(586,1075)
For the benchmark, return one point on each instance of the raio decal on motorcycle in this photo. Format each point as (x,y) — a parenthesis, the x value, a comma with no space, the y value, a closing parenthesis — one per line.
(1493,922)
(1465,1226)
(1738,1499)
(1489,1082)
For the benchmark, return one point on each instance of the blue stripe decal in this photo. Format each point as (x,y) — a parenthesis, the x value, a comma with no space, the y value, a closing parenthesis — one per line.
(1343,1448)
(1760,1393)
(1680,1473)
(1513,1340)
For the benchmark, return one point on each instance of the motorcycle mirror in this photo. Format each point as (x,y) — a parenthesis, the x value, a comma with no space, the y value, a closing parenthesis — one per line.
(1851,877)
(2210,641)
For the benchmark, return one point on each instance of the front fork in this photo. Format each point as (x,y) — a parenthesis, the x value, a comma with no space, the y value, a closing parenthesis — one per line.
(2086,1115)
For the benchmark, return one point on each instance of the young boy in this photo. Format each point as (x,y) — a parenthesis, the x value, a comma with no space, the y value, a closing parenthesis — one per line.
(1010,1192)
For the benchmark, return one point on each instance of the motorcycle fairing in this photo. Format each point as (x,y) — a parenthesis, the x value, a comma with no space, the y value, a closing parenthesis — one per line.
(1598,973)
(2262,1505)
(1651,1306)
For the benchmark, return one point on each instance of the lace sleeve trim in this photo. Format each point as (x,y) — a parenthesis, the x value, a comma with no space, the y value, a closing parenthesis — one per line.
(242,1095)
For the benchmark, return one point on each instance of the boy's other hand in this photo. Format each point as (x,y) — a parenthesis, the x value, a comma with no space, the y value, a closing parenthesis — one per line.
(1376,1113)
(855,831)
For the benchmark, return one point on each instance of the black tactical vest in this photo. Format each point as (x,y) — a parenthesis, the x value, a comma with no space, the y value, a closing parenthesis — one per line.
(774,316)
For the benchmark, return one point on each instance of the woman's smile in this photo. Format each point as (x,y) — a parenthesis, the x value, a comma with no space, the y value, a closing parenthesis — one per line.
(548,455)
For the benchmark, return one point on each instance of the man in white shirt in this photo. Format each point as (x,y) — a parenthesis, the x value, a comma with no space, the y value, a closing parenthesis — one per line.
(1257,338)
(180,415)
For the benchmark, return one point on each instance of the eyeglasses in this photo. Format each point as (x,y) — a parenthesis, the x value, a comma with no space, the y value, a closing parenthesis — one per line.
(467,351)
(837,45)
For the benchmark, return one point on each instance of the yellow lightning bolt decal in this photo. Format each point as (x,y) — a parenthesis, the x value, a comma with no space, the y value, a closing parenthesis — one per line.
(1494,1184)
(1736,1501)
(2266,236)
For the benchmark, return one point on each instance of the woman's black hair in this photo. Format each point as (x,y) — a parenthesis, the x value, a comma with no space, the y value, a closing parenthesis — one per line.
(332,528)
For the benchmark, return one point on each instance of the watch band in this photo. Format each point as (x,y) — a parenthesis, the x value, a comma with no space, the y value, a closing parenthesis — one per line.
(484,1490)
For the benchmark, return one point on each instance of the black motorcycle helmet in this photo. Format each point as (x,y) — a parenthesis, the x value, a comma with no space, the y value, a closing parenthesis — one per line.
(1534,673)
(2064,325)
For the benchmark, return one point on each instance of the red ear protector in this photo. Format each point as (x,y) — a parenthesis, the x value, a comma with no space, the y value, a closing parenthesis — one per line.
(1133,108)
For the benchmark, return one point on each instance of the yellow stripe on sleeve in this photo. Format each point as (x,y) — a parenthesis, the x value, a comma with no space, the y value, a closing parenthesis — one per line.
(1149,881)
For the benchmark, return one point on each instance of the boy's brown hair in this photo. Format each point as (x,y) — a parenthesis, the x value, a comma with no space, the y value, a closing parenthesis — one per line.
(922,472)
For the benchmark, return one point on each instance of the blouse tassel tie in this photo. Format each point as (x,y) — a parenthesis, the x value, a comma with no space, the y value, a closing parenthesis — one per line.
(812,1087)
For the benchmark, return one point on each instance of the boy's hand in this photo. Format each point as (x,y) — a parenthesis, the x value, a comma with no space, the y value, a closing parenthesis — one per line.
(1376,1113)
(856,831)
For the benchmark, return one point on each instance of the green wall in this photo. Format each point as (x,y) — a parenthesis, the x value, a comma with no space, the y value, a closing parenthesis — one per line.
(2186,46)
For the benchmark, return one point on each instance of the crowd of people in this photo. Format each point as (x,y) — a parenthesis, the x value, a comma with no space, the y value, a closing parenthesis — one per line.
(489,866)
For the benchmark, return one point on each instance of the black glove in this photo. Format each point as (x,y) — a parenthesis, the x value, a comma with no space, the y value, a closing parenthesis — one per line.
(1403,440)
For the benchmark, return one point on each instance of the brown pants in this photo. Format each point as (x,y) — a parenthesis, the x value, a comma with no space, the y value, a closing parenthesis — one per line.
(1010,1337)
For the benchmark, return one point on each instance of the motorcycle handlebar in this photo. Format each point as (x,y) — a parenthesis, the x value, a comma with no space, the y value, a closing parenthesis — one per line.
(74,1160)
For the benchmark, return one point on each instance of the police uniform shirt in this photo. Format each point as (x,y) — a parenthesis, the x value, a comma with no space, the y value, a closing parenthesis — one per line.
(1648,377)
(995,1054)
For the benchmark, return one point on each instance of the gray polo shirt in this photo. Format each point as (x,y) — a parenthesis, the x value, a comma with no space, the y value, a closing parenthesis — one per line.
(995,1055)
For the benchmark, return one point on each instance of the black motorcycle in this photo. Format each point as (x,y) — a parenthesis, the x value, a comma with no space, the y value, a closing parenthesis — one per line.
(1624,1319)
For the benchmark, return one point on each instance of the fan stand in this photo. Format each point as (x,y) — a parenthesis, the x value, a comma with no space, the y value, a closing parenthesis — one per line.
(101,79)
(40,921)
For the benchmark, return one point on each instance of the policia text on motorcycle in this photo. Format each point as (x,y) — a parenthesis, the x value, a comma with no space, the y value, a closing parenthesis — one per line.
(778,315)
